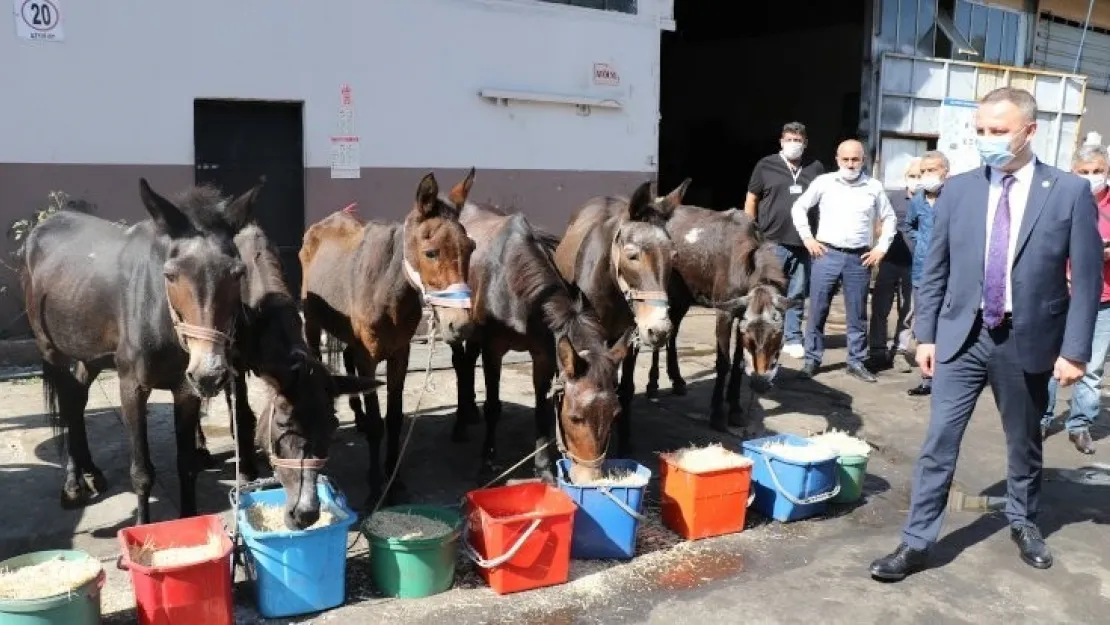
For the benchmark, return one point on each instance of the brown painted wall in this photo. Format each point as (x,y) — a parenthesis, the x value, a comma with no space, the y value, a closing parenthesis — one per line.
(546,197)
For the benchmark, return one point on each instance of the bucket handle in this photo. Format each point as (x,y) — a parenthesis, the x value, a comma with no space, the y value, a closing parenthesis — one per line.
(503,558)
(604,490)
(800,502)
(120,564)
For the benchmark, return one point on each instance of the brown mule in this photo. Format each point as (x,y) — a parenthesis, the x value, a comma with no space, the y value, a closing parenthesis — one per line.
(365,284)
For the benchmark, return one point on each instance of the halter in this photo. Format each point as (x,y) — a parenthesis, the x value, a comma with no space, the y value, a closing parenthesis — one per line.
(454,296)
(299,464)
(556,398)
(651,298)
(189,331)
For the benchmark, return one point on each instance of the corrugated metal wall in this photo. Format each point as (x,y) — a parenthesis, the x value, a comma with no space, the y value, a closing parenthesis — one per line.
(1057,44)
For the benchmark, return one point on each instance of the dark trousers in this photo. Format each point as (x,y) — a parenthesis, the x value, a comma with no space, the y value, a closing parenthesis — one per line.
(825,272)
(894,284)
(990,356)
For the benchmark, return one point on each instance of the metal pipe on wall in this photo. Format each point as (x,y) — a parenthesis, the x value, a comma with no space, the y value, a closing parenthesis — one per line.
(1083,37)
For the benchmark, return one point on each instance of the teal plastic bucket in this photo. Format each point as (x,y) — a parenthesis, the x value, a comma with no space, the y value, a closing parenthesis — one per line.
(419,567)
(851,471)
(79,607)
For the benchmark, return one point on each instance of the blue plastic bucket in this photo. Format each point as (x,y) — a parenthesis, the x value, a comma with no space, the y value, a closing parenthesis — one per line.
(297,572)
(607,517)
(788,490)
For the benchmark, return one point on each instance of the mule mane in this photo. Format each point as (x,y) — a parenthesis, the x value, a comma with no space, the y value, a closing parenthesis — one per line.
(256,248)
(204,205)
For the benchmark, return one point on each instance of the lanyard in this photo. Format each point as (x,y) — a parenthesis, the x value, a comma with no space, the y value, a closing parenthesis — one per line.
(790,168)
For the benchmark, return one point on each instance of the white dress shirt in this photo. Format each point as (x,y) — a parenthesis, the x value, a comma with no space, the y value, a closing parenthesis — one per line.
(848,211)
(1019,196)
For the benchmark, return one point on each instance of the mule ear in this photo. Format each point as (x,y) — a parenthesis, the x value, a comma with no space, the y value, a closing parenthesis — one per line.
(351,385)
(241,210)
(620,349)
(168,219)
(461,191)
(642,205)
(673,199)
(571,364)
(427,196)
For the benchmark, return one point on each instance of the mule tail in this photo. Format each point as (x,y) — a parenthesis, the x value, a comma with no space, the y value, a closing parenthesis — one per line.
(51,379)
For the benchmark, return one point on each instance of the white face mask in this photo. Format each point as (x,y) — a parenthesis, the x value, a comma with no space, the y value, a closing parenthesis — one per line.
(931,184)
(1097,181)
(792,150)
(849,174)
(914,185)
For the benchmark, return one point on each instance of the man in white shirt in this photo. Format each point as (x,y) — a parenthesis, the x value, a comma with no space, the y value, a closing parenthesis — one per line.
(848,204)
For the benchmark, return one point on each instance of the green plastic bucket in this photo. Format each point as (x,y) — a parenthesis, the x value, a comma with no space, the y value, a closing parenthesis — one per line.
(79,607)
(851,470)
(419,567)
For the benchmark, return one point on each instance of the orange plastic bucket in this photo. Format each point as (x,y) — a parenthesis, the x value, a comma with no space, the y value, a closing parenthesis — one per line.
(180,595)
(520,535)
(699,505)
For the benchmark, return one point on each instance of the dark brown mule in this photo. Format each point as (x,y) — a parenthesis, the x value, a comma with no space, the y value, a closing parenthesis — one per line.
(363,285)
(616,251)
(299,420)
(521,303)
(721,262)
(157,302)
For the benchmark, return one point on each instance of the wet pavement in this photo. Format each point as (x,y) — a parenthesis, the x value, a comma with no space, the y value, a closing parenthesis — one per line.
(810,571)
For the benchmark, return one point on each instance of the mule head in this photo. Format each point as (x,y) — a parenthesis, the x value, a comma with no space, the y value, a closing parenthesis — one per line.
(297,430)
(642,255)
(202,272)
(588,404)
(761,327)
(437,255)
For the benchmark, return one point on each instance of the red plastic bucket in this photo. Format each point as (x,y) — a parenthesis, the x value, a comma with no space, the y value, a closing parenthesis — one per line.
(189,594)
(520,535)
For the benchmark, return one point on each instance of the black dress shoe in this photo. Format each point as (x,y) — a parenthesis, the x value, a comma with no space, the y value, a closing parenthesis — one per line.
(896,566)
(809,369)
(1082,441)
(859,372)
(1034,551)
(920,390)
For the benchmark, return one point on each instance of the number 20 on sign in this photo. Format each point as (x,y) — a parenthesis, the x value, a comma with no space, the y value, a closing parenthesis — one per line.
(38,20)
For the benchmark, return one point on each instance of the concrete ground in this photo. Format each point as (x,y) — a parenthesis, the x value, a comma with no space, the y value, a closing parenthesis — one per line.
(810,571)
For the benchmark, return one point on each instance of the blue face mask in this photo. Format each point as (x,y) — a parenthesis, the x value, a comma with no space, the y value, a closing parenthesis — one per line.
(995,151)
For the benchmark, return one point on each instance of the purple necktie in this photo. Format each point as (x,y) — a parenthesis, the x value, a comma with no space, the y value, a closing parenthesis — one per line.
(994,288)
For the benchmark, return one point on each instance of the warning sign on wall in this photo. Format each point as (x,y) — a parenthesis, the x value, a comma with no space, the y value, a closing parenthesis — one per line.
(39,20)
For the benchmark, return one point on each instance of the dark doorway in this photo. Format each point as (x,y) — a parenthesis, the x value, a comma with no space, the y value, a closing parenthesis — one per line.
(734,72)
(236,141)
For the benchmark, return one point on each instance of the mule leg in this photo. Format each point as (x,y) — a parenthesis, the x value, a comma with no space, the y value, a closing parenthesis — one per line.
(625,391)
(543,372)
(133,398)
(491,371)
(717,414)
(350,365)
(245,420)
(375,432)
(397,369)
(369,411)
(312,336)
(652,390)
(204,457)
(66,398)
(463,359)
(91,476)
(678,385)
(736,415)
(186,417)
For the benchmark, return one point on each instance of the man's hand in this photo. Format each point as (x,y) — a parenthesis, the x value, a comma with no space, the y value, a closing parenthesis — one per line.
(815,248)
(872,258)
(926,358)
(1067,371)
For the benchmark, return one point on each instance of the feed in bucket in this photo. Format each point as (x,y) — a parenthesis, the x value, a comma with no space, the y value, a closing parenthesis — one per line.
(713,457)
(405,526)
(148,554)
(799,453)
(56,576)
(271,518)
(617,478)
(842,443)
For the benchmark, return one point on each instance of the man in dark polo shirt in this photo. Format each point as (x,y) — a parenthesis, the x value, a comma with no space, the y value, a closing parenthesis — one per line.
(894,282)
(776,182)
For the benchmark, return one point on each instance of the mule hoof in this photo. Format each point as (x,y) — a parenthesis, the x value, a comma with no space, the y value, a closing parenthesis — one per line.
(95,481)
(736,418)
(204,459)
(719,425)
(678,387)
(470,416)
(652,391)
(75,498)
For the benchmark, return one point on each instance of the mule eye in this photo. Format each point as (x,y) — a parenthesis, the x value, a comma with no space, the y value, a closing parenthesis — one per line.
(431,254)
(238,271)
(170,271)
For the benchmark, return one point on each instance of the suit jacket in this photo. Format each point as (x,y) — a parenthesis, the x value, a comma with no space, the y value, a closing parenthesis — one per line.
(1060,221)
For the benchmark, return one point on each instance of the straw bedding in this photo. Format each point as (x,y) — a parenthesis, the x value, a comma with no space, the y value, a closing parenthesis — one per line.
(842,443)
(712,457)
(148,554)
(270,518)
(47,579)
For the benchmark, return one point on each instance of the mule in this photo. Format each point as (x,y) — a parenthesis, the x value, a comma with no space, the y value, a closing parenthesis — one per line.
(617,252)
(521,303)
(722,262)
(157,302)
(365,284)
(299,416)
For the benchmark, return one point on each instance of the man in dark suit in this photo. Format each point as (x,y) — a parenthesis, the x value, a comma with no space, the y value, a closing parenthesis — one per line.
(994,307)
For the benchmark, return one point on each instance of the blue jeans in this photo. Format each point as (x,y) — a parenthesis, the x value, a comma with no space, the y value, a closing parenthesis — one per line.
(828,270)
(795,264)
(1086,396)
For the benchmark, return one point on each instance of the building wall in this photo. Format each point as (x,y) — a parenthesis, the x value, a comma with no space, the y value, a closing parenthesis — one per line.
(114,100)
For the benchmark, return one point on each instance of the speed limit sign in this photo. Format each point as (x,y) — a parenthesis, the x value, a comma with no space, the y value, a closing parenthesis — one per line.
(39,20)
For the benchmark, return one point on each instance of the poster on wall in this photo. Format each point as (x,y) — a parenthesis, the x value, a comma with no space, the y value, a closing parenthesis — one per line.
(957,134)
(38,20)
(346,159)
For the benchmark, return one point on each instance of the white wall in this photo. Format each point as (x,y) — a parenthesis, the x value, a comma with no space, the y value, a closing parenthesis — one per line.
(120,88)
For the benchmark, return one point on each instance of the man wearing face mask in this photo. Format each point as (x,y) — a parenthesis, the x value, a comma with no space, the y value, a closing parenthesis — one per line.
(993,307)
(1091,163)
(893,282)
(776,182)
(848,203)
(934,170)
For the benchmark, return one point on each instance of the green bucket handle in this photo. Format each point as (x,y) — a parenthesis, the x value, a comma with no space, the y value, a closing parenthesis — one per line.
(472,553)
(799,502)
